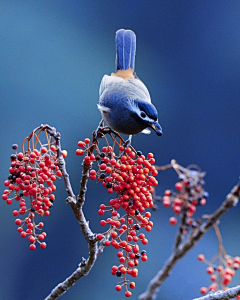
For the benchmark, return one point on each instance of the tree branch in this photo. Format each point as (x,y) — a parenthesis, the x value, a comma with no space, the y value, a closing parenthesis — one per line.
(221,295)
(155,284)
(86,264)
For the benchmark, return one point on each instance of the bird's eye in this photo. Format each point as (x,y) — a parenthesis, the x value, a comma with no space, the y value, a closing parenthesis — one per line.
(143,115)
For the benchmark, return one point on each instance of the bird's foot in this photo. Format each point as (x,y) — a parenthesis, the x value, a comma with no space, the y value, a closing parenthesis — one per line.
(128,142)
(97,133)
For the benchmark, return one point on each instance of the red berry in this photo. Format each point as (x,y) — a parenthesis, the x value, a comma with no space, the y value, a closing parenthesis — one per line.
(64,153)
(132,285)
(213,286)
(144,258)
(128,294)
(152,161)
(173,221)
(92,172)
(131,263)
(53,148)
(32,247)
(43,245)
(118,288)
(122,260)
(41,237)
(6,182)
(18,221)
(178,186)
(103,167)
(44,150)
(103,222)
(15,213)
(236,266)
(147,214)
(79,152)
(213,277)
(144,241)
(114,234)
(81,144)
(11,187)
(220,269)
(210,270)
(20,156)
(99,236)
(23,234)
(4,196)
(166,201)
(201,257)
(128,248)
(148,228)
(59,173)
(31,239)
(203,290)
(114,268)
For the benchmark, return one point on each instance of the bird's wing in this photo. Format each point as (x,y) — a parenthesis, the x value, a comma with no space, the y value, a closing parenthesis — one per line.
(141,87)
(107,81)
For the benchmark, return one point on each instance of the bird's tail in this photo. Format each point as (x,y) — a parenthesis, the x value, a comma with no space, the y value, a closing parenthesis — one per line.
(125,49)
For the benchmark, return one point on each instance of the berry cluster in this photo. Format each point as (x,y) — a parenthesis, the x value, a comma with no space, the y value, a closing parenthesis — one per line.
(221,267)
(132,176)
(189,194)
(32,176)
(222,273)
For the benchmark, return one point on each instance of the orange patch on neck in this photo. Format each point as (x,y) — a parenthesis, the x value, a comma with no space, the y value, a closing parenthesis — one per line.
(125,74)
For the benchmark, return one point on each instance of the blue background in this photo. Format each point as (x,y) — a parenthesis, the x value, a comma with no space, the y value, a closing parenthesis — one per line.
(53,55)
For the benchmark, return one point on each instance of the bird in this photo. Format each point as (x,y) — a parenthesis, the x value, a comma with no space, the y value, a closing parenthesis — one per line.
(124,100)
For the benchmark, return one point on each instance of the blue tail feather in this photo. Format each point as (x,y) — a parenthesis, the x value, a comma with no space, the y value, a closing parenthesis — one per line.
(125,49)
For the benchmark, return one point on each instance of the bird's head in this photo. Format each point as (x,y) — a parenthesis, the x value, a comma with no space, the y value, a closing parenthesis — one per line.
(147,112)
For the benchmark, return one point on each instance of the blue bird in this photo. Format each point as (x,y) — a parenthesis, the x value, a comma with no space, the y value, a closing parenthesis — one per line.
(124,100)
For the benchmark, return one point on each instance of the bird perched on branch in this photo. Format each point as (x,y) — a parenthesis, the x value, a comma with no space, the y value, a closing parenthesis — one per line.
(124,100)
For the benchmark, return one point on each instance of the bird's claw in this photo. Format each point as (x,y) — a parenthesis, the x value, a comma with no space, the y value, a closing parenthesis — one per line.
(127,142)
(97,133)
(126,145)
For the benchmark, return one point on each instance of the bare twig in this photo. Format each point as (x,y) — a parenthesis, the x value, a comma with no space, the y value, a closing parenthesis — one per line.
(155,284)
(222,295)
(85,266)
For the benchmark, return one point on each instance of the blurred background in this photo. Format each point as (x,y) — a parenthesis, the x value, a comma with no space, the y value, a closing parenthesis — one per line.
(53,55)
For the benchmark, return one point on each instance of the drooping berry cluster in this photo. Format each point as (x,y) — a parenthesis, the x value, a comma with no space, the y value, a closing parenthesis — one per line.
(221,267)
(189,193)
(31,184)
(221,274)
(131,175)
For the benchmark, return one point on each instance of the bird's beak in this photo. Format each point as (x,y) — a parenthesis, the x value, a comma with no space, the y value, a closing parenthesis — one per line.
(156,127)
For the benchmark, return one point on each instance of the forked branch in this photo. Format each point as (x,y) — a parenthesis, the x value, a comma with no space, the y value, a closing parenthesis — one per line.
(179,251)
